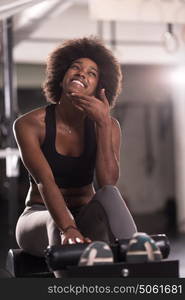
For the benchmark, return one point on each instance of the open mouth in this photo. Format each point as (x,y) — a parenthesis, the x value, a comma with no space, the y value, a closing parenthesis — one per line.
(78,82)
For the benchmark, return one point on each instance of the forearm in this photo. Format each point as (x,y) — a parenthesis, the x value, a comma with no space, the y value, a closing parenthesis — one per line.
(107,166)
(55,203)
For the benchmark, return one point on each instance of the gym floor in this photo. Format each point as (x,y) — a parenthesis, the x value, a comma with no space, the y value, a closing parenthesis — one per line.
(177,242)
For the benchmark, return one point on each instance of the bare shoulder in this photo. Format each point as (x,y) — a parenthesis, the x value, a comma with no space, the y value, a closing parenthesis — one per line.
(30,125)
(33,118)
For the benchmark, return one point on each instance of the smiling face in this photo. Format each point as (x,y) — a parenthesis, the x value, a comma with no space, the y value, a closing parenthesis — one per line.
(82,76)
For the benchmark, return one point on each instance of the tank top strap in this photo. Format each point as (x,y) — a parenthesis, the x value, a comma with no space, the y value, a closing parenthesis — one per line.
(50,123)
(90,136)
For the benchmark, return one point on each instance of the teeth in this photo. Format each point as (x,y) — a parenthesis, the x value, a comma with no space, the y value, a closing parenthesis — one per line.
(78,82)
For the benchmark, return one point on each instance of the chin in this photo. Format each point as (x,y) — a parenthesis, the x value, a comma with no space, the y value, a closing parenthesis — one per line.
(76,90)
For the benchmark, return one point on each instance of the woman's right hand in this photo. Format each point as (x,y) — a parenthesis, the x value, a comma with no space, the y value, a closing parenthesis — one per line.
(73,236)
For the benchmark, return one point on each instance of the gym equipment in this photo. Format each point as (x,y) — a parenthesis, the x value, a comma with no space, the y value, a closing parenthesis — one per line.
(67,258)
(96,253)
(142,248)
(56,260)
(60,257)
(5,274)
(21,264)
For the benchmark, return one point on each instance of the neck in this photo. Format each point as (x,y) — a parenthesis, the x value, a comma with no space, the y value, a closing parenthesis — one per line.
(68,113)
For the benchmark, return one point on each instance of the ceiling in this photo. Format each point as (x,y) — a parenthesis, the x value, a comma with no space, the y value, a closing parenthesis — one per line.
(137,35)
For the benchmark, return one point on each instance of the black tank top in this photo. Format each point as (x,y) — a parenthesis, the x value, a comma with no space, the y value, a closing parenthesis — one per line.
(69,171)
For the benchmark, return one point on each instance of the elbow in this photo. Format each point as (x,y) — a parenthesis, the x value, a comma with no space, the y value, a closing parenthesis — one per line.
(108,180)
(108,177)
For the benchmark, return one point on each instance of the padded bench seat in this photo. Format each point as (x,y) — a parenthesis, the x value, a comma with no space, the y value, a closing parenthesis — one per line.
(21,264)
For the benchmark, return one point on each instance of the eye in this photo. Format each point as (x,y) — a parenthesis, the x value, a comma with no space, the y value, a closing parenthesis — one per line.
(92,74)
(75,67)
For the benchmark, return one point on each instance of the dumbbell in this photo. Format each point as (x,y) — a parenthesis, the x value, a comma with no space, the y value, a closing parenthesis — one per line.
(60,256)
(161,241)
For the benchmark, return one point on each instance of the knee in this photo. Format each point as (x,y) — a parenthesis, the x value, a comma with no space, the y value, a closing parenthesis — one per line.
(109,190)
(108,194)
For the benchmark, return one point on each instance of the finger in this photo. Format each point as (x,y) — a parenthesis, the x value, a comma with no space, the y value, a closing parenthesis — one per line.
(64,241)
(78,240)
(84,97)
(82,106)
(82,102)
(103,96)
(87,240)
(71,241)
(78,107)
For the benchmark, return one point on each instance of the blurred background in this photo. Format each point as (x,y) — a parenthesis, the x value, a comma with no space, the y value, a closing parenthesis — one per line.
(148,38)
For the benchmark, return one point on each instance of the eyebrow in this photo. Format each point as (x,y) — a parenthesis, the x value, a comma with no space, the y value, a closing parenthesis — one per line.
(80,62)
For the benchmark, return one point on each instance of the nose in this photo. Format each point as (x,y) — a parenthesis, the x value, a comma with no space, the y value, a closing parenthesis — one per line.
(81,73)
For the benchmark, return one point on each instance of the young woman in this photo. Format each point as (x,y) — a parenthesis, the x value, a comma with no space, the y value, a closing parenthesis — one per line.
(66,144)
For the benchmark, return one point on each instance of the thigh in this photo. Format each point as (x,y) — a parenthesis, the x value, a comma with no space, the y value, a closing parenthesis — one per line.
(31,230)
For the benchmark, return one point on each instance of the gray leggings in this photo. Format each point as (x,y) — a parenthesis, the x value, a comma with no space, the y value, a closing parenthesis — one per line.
(106,217)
